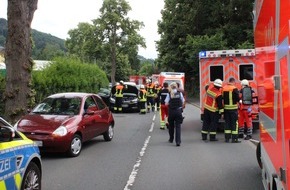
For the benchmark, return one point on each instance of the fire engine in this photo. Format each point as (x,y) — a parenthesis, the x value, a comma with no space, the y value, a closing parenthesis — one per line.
(170,77)
(272,39)
(138,79)
(223,64)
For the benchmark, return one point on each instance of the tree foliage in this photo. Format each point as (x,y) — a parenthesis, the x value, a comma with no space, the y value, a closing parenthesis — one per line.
(187,27)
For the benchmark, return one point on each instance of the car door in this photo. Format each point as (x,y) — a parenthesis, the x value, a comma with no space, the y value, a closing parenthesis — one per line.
(10,176)
(104,114)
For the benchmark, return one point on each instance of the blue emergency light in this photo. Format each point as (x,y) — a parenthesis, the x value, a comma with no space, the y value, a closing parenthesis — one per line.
(202,54)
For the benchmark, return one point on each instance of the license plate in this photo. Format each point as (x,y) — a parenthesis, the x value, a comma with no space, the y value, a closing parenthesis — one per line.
(38,143)
(125,105)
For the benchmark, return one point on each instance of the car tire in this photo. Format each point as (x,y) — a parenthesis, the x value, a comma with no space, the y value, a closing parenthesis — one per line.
(109,134)
(32,177)
(75,146)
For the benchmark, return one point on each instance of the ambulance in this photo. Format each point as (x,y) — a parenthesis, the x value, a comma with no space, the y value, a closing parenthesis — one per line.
(20,161)
(272,42)
(169,77)
(224,64)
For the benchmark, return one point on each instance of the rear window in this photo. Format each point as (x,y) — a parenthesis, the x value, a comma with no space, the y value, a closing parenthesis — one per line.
(216,72)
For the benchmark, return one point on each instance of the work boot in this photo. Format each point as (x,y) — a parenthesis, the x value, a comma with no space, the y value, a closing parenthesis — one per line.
(235,141)
(204,137)
(227,140)
(241,136)
(248,137)
(212,138)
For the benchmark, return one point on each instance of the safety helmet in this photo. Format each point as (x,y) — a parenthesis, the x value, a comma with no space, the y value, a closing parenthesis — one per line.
(245,82)
(142,86)
(148,81)
(117,83)
(156,83)
(218,82)
(121,82)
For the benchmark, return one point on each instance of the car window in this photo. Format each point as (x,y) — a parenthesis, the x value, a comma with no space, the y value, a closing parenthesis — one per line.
(90,104)
(58,106)
(100,103)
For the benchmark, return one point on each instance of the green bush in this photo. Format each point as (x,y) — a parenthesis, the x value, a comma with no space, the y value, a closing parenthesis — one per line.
(67,75)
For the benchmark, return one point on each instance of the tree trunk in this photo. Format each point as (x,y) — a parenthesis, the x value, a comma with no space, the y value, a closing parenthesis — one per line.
(18,58)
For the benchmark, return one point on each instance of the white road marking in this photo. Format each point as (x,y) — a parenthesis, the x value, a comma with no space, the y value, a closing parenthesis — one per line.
(137,165)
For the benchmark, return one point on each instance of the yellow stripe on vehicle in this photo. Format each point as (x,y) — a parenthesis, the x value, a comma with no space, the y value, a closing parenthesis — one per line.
(18,180)
(2,185)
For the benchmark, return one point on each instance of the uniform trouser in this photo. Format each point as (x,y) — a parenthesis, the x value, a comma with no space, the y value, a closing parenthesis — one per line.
(210,123)
(142,106)
(118,104)
(245,117)
(150,103)
(157,101)
(231,124)
(175,120)
(163,114)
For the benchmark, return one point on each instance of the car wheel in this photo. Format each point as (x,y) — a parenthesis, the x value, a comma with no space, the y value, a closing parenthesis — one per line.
(32,177)
(109,134)
(75,146)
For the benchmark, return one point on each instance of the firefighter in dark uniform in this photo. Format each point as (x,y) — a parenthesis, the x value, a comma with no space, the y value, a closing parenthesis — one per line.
(164,108)
(142,99)
(231,99)
(150,88)
(174,100)
(156,99)
(213,108)
(119,97)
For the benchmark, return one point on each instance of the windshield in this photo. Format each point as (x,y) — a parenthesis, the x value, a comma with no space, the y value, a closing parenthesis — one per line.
(58,106)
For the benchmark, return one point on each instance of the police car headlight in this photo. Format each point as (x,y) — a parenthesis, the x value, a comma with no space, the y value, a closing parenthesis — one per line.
(61,131)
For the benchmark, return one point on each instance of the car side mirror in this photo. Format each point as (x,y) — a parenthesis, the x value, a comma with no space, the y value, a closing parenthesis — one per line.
(6,134)
(89,112)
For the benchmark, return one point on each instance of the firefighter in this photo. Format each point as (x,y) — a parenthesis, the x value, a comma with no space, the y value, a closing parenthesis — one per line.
(150,95)
(213,109)
(164,108)
(142,99)
(156,98)
(231,99)
(119,97)
(245,110)
(174,100)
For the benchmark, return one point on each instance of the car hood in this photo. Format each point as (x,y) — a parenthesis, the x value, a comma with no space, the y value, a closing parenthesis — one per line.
(42,123)
(130,89)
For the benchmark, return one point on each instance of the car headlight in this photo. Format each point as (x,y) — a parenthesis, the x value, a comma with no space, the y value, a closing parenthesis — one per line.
(135,100)
(61,131)
(112,100)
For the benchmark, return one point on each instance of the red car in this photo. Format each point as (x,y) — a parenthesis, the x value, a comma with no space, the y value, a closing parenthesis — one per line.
(62,122)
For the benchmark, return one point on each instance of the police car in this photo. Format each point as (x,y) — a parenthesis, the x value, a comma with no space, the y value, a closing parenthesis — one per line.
(20,162)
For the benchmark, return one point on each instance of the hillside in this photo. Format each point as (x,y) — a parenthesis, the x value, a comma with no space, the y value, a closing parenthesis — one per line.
(46,45)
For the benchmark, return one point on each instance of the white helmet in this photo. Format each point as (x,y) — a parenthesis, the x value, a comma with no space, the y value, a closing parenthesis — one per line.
(117,83)
(156,83)
(121,82)
(218,82)
(245,82)
(142,86)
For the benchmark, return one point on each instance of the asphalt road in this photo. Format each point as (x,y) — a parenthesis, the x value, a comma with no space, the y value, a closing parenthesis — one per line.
(140,158)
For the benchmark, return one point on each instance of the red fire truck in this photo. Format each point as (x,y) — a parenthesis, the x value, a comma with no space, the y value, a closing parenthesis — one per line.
(272,40)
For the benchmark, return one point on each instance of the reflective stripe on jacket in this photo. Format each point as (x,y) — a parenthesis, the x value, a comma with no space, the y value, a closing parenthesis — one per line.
(119,91)
(142,95)
(213,100)
(230,96)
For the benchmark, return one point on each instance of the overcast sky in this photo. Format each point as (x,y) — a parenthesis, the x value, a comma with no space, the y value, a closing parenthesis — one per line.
(57,17)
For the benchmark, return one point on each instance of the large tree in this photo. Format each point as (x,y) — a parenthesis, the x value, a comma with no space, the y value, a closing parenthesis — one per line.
(118,31)
(18,57)
(188,26)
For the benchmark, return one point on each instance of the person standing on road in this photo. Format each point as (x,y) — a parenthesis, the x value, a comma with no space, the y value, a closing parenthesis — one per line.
(174,100)
(245,109)
(119,97)
(213,109)
(164,108)
(156,98)
(231,99)
(150,96)
(142,99)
